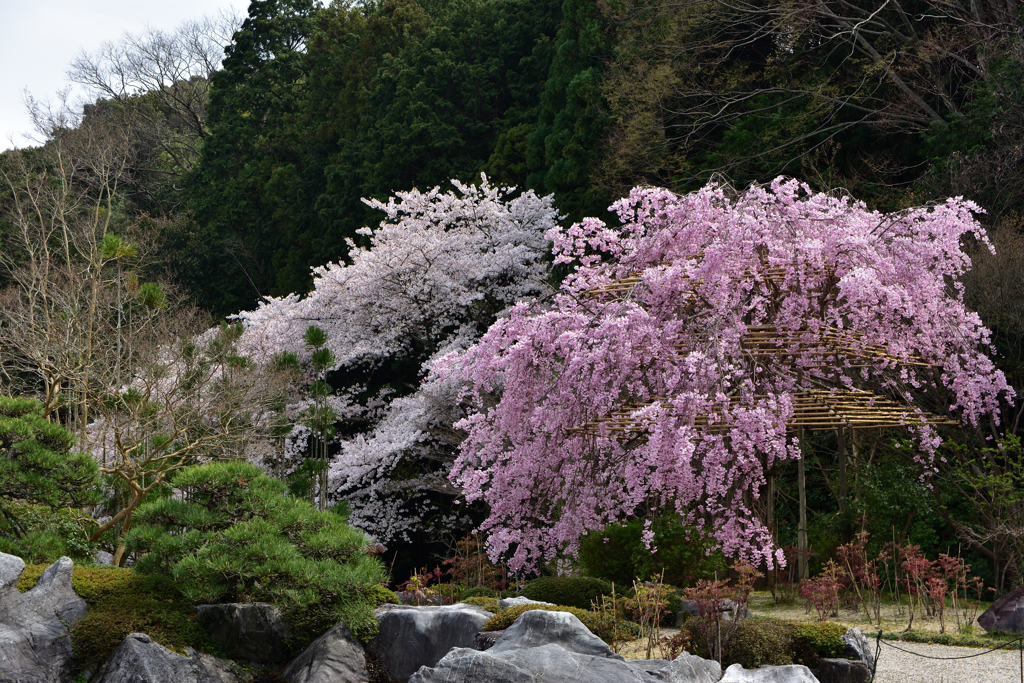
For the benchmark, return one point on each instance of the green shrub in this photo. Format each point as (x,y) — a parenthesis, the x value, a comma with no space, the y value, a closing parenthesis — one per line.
(40,481)
(379,595)
(478,591)
(44,534)
(236,536)
(122,602)
(503,619)
(576,591)
(812,642)
(761,642)
(489,604)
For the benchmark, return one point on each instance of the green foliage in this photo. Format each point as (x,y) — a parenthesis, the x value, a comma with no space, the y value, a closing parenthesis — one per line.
(360,101)
(46,535)
(379,595)
(578,591)
(681,555)
(489,604)
(122,602)
(236,536)
(760,642)
(38,469)
(772,642)
(812,642)
(478,591)
(503,619)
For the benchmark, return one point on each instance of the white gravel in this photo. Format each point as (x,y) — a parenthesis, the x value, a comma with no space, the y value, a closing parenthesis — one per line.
(894,666)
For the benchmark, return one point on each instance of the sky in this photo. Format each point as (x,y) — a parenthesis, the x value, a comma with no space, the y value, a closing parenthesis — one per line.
(40,38)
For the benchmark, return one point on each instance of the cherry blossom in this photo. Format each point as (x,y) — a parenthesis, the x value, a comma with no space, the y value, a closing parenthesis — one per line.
(436,272)
(643,384)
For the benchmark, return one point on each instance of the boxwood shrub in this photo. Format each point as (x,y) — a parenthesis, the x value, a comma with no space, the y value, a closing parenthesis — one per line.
(575,591)
(761,642)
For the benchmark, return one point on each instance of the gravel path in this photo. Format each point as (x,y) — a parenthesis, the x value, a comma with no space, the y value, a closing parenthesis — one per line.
(1001,666)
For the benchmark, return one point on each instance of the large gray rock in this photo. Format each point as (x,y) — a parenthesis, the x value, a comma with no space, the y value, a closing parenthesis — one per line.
(35,645)
(858,648)
(140,660)
(505,603)
(687,668)
(540,627)
(791,673)
(545,664)
(842,671)
(411,637)
(555,647)
(246,631)
(1006,614)
(729,611)
(334,657)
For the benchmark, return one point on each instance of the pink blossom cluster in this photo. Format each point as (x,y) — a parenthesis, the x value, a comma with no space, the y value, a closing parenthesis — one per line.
(652,323)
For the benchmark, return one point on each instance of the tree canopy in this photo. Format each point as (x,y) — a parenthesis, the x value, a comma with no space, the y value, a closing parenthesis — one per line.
(684,346)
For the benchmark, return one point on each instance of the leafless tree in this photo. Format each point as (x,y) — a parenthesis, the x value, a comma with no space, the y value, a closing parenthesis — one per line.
(161,80)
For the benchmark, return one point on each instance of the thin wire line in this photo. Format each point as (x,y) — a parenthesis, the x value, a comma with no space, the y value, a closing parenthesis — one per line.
(1018,642)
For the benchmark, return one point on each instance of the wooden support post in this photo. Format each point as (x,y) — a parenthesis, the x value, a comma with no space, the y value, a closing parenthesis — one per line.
(841,434)
(801,531)
(769,491)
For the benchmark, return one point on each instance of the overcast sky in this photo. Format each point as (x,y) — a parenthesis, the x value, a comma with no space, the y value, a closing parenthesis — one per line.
(39,38)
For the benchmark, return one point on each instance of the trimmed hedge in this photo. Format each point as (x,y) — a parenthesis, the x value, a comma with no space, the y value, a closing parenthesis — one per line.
(478,592)
(503,619)
(575,591)
(773,642)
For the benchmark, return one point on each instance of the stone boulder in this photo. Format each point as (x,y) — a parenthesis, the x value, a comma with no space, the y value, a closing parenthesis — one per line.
(334,657)
(790,673)
(544,664)
(729,611)
(411,637)
(858,648)
(246,631)
(686,668)
(505,603)
(1006,614)
(555,647)
(540,627)
(842,671)
(35,646)
(140,660)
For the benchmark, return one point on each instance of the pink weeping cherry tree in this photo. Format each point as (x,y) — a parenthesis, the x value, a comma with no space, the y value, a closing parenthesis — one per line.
(671,366)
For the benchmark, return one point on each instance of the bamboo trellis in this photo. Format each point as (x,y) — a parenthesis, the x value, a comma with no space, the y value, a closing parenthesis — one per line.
(812,409)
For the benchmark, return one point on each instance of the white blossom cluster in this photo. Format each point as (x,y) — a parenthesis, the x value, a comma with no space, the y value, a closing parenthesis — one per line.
(437,271)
